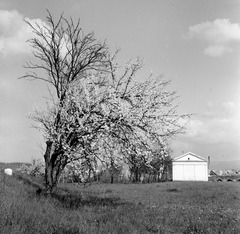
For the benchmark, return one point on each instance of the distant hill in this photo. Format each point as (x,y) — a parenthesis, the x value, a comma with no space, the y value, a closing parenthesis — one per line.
(13,165)
(228,165)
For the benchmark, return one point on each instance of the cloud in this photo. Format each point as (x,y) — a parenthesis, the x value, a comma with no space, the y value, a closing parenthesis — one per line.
(220,36)
(219,127)
(214,132)
(217,50)
(14,33)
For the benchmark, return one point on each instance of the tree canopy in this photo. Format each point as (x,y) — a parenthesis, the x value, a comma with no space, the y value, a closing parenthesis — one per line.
(97,106)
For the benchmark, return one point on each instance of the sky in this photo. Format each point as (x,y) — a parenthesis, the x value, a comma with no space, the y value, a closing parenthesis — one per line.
(195,44)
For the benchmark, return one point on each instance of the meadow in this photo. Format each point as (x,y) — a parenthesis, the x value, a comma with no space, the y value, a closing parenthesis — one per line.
(170,207)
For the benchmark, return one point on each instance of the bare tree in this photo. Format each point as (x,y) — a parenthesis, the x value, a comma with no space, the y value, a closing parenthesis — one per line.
(95,102)
(66,56)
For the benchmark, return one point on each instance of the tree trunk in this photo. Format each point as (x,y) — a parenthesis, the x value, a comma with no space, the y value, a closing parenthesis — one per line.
(48,167)
(111,181)
(52,170)
(112,170)
(136,175)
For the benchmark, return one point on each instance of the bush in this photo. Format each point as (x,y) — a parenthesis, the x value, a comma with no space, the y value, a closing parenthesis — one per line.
(35,169)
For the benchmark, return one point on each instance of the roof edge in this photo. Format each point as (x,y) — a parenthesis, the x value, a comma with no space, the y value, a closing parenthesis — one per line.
(195,155)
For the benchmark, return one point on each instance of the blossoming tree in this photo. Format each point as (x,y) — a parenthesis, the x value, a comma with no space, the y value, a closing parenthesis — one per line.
(95,104)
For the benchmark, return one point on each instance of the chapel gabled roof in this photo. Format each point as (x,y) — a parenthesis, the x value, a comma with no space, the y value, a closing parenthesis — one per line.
(189,153)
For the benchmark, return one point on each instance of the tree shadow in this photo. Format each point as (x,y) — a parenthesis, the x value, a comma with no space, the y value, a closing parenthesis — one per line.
(27,180)
(73,201)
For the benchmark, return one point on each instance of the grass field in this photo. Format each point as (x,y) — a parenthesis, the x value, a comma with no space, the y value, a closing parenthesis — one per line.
(173,207)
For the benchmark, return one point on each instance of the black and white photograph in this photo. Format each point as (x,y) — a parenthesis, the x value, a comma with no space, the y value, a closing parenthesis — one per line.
(119,116)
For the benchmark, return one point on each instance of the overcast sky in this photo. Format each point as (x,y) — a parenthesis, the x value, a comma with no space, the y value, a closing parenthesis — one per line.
(194,43)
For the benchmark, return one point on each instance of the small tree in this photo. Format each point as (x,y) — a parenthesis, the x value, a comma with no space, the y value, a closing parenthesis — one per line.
(161,162)
(34,169)
(94,103)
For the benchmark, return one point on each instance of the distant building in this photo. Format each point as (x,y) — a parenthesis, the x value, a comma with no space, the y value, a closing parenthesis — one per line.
(213,173)
(189,167)
(220,172)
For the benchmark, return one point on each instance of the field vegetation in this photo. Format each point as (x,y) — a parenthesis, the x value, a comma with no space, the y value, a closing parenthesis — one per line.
(171,207)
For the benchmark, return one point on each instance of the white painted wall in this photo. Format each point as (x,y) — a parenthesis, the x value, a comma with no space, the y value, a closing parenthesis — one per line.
(190,167)
(188,171)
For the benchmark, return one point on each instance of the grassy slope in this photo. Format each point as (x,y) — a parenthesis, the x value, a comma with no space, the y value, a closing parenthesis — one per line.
(121,208)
